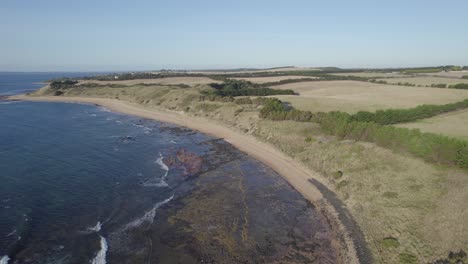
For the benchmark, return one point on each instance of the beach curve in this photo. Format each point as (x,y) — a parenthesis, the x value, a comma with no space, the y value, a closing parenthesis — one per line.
(353,248)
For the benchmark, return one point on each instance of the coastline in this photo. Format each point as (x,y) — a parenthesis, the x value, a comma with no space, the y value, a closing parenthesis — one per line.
(352,243)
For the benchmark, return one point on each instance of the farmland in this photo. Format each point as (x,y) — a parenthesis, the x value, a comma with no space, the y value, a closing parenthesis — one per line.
(452,124)
(353,96)
(367,74)
(425,80)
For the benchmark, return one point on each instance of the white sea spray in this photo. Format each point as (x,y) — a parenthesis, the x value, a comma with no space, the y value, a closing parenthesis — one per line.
(100,257)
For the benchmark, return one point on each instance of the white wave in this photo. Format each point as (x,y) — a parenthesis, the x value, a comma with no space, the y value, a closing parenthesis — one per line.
(173,142)
(4,260)
(162,182)
(100,257)
(149,216)
(11,233)
(103,109)
(146,129)
(95,228)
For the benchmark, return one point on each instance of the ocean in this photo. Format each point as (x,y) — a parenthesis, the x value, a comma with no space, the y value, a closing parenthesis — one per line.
(81,184)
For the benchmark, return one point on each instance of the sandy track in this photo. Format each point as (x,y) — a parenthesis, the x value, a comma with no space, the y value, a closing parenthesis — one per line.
(294,172)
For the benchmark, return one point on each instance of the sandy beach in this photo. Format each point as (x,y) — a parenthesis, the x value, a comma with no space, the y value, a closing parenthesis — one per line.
(301,178)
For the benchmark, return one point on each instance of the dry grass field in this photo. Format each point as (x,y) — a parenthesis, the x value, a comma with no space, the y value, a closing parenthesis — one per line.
(373,74)
(163,81)
(352,96)
(449,74)
(425,80)
(261,80)
(454,124)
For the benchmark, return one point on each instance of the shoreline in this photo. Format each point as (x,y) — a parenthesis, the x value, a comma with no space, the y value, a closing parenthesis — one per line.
(352,247)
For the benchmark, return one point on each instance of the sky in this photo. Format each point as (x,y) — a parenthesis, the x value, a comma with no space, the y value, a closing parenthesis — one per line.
(117,35)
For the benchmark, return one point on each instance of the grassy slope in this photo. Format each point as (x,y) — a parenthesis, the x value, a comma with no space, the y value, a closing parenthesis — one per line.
(420,205)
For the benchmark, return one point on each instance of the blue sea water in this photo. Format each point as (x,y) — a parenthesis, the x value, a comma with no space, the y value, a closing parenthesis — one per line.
(63,167)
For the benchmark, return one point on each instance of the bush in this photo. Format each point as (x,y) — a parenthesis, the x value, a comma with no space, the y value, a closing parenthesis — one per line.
(65,84)
(243,100)
(406,258)
(390,242)
(459,86)
(394,116)
(244,88)
(440,85)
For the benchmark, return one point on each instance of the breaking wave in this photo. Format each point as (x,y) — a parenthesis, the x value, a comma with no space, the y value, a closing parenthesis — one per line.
(4,260)
(95,228)
(100,257)
(162,182)
(149,216)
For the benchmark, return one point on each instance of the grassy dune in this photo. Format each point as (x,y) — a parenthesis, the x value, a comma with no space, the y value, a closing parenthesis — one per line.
(410,211)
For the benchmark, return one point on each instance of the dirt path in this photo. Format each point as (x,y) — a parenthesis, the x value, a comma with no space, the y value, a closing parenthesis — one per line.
(293,171)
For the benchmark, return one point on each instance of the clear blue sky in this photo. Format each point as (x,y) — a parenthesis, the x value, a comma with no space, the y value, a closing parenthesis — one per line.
(89,35)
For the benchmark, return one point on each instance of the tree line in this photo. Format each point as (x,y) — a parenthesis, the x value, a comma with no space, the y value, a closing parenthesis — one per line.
(234,88)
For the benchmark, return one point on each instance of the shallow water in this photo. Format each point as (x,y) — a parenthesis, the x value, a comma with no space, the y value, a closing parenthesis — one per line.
(80,184)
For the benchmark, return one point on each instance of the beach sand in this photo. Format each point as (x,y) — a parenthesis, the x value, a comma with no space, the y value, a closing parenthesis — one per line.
(353,249)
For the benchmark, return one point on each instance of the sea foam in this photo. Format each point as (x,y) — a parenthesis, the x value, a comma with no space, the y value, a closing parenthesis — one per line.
(95,228)
(162,182)
(149,216)
(4,260)
(100,257)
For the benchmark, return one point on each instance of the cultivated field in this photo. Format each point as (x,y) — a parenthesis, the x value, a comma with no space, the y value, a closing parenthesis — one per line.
(449,74)
(373,74)
(425,80)
(163,81)
(454,124)
(261,80)
(353,96)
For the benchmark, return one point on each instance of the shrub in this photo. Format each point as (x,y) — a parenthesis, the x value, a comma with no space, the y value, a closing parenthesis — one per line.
(244,88)
(390,242)
(440,85)
(406,258)
(64,84)
(459,86)
(394,116)
(243,100)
